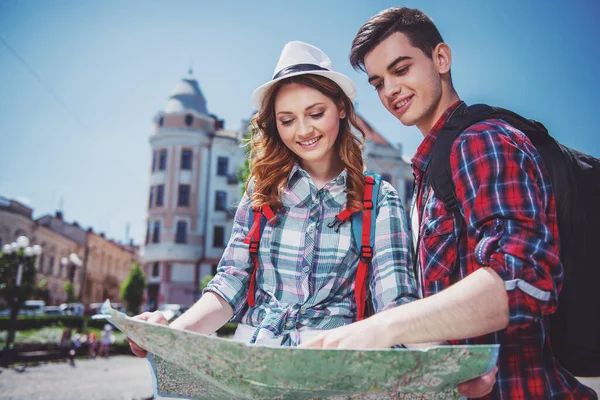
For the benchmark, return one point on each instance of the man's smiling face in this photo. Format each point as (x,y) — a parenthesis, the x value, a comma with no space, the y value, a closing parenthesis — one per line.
(407,81)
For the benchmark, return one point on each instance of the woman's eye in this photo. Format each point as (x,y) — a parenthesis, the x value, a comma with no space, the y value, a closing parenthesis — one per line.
(317,115)
(378,85)
(287,122)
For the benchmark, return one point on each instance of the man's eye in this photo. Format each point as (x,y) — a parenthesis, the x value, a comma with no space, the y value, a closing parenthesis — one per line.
(317,115)
(287,122)
(402,71)
(378,85)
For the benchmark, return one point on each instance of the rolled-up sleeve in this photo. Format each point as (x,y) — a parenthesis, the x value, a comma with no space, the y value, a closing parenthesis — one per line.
(392,280)
(511,218)
(233,272)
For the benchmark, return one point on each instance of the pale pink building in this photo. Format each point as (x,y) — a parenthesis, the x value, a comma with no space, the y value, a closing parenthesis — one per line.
(192,196)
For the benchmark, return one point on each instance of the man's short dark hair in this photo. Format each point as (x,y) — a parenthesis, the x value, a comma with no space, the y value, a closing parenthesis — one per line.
(415,24)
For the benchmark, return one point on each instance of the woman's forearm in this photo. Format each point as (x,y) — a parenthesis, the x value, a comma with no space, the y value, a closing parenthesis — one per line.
(206,316)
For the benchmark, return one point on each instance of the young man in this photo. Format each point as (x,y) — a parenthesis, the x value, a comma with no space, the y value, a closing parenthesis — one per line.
(508,275)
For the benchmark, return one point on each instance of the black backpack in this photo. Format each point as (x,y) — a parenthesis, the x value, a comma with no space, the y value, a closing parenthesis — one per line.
(575,327)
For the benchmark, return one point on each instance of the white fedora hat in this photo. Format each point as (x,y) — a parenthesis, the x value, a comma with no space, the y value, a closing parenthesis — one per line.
(298,58)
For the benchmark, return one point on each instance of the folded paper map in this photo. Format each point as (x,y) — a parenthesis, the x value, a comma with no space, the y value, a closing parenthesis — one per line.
(190,365)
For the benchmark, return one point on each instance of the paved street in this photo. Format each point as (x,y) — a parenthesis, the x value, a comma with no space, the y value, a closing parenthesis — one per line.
(118,378)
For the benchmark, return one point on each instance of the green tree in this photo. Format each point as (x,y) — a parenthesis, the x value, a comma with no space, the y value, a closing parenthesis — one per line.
(243,174)
(132,290)
(40,291)
(9,264)
(244,170)
(204,281)
(70,292)
(12,294)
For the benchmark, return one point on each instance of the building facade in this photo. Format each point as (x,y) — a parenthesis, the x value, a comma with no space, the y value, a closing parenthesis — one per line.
(107,266)
(104,266)
(386,159)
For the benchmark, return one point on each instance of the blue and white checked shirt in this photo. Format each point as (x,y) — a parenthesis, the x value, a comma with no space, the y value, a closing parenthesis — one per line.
(307,270)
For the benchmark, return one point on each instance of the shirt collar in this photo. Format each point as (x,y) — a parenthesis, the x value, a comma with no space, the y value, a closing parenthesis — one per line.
(298,173)
(301,188)
(420,160)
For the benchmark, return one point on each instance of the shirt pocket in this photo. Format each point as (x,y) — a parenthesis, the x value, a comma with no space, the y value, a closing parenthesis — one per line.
(438,248)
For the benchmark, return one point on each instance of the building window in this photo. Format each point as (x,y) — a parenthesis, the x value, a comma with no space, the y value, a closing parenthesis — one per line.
(181,234)
(220,200)
(162,160)
(156,232)
(222,166)
(214,269)
(148,232)
(184,196)
(41,263)
(51,266)
(154,156)
(151,199)
(155,269)
(219,236)
(189,119)
(386,177)
(160,195)
(60,268)
(161,121)
(186,159)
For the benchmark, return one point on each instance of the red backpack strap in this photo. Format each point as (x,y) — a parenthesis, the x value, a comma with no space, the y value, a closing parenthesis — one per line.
(253,240)
(340,219)
(366,250)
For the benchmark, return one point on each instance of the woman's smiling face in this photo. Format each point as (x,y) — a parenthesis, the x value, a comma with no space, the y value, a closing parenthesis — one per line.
(308,122)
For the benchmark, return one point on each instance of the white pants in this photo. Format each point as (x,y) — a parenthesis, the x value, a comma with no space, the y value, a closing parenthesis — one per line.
(244,333)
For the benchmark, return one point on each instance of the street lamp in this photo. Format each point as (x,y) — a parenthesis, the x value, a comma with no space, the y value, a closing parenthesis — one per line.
(70,263)
(73,261)
(17,253)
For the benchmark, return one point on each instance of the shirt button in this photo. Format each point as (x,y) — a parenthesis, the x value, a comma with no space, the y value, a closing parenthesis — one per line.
(288,324)
(311,228)
(303,311)
(306,269)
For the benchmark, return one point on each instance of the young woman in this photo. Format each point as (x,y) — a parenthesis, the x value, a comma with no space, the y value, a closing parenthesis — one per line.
(307,168)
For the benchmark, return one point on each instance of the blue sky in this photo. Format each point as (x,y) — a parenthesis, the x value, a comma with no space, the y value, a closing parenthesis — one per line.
(75,121)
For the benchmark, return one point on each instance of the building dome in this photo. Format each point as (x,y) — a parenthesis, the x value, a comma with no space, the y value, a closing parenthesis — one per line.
(186,97)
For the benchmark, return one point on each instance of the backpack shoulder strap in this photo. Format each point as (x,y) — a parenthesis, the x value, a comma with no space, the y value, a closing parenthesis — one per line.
(363,231)
(263,221)
(357,218)
(439,172)
(258,218)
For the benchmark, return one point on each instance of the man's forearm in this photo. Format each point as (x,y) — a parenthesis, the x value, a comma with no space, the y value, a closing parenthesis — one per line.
(206,316)
(472,307)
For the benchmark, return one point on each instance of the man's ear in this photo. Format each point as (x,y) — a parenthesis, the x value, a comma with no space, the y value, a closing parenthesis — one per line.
(442,58)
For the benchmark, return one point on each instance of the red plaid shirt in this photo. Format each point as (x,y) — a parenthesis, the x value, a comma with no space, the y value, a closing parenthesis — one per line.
(510,216)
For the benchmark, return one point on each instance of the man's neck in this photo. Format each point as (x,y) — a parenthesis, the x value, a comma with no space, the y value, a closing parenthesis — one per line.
(448,98)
